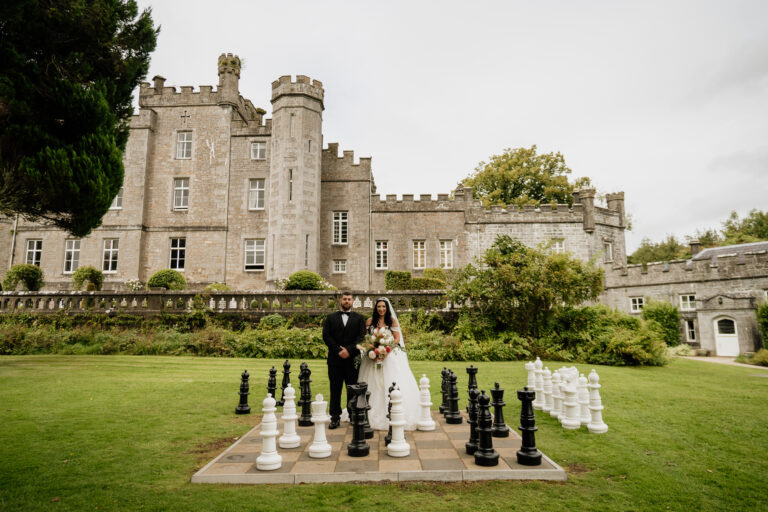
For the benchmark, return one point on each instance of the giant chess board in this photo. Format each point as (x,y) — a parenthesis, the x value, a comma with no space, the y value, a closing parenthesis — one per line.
(438,455)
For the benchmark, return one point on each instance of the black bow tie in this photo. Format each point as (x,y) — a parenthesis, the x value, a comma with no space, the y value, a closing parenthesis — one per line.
(344,312)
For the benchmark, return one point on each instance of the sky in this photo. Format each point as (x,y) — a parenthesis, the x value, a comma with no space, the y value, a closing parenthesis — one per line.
(664,100)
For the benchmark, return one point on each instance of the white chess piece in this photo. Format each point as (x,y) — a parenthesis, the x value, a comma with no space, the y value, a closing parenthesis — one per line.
(596,425)
(398,447)
(547,391)
(425,419)
(562,385)
(319,448)
(269,459)
(556,398)
(531,369)
(289,439)
(570,419)
(538,387)
(583,392)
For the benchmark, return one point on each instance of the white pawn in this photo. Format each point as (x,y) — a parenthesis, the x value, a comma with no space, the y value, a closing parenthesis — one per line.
(547,390)
(583,391)
(570,419)
(289,439)
(596,425)
(425,420)
(556,398)
(538,387)
(561,412)
(269,459)
(319,448)
(531,369)
(398,447)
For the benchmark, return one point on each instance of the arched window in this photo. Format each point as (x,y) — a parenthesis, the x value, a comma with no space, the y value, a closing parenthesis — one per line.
(726,326)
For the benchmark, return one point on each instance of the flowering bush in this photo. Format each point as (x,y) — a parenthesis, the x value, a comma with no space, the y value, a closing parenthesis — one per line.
(134,285)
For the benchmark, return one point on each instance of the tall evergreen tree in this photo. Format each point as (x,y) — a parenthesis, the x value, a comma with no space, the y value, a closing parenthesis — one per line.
(67,72)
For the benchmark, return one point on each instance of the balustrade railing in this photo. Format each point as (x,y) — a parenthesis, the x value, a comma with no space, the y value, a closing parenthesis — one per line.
(154,302)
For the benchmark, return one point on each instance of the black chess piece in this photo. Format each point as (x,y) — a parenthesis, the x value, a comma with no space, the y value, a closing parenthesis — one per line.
(388,437)
(284,384)
(243,407)
(356,405)
(305,399)
(528,454)
(471,445)
(367,424)
(472,371)
(499,429)
(453,416)
(485,454)
(443,390)
(272,382)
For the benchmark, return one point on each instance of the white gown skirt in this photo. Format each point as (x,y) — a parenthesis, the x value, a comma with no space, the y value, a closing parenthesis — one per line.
(394,368)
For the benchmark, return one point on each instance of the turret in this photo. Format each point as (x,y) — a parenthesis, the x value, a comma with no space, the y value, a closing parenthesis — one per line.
(229,78)
(616,203)
(587,199)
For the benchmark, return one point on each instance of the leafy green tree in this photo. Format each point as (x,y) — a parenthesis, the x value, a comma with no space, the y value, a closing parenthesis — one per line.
(669,249)
(521,176)
(752,228)
(521,288)
(668,318)
(68,71)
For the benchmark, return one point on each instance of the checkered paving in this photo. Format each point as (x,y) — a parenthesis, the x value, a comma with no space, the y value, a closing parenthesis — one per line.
(436,455)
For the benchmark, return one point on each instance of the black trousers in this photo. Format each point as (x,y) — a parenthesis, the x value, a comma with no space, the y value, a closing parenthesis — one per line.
(340,376)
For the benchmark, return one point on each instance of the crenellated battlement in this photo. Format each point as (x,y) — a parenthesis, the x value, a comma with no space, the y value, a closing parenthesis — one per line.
(302,86)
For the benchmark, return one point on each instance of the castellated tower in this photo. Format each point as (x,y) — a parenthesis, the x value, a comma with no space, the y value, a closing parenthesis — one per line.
(293,202)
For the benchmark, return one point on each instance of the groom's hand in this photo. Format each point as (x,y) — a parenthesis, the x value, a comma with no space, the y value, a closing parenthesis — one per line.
(343,353)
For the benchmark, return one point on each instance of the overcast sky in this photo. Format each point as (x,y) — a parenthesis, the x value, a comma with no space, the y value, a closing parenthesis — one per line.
(665,100)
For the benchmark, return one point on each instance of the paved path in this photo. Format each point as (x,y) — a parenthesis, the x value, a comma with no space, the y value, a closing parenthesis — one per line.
(723,360)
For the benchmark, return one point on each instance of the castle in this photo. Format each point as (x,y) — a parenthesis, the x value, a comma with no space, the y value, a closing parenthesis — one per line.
(218,192)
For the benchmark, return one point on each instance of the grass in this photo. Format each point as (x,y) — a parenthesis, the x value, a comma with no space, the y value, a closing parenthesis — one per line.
(127,433)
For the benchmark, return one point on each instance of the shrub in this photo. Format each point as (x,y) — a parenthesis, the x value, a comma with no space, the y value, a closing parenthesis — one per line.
(216,287)
(304,280)
(434,273)
(668,318)
(427,283)
(271,321)
(90,274)
(133,285)
(168,279)
(762,320)
(30,276)
(680,350)
(397,280)
(761,357)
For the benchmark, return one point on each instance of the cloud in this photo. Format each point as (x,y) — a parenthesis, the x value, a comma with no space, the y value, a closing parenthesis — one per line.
(745,68)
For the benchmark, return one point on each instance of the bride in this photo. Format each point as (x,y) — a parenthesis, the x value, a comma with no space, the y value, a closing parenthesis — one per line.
(394,369)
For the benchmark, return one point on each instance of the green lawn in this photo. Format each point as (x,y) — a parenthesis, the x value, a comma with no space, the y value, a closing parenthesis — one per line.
(128,432)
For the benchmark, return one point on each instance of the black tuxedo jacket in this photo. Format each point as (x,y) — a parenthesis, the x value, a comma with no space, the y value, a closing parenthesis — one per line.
(336,335)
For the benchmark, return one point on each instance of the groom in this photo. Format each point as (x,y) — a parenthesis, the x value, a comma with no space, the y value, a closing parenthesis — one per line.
(342,331)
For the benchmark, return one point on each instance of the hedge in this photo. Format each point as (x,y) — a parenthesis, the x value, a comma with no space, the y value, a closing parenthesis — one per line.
(31,277)
(304,280)
(168,279)
(397,280)
(90,274)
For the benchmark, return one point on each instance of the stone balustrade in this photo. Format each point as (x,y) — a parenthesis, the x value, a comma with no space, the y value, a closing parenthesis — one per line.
(153,302)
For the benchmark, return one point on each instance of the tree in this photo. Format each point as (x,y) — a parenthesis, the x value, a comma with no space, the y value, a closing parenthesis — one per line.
(521,176)
(68,71)
(521,288)
(669,249)
(752,228)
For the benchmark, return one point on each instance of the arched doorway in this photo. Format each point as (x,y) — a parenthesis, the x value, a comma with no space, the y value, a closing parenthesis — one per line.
(726,337)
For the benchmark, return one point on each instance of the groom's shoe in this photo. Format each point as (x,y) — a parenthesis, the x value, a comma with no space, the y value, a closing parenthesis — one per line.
(335,423)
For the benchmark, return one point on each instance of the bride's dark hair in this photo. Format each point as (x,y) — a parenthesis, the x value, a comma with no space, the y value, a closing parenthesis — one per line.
(387,316)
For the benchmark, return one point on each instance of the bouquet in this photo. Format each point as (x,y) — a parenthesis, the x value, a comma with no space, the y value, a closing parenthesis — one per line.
(378,344)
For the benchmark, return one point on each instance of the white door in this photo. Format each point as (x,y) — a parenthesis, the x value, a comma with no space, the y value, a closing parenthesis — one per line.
(726,337)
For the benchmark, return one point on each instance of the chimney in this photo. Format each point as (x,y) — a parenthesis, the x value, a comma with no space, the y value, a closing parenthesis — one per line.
(695,247)
(159,83)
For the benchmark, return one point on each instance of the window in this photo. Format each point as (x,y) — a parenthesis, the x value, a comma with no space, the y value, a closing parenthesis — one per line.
(180,193)
(607,252)
(340,220)
(306,251)
(254,254)
(117,202)
(339,266)
(636,304)
(690,331)
(726,326)
(256,194)
(258,150)
(110,255)
(178,253)
(557,246)
(290,184)
(293,117)
(309,146)
(382,247)
(446,253)
(71,256)
(184,145)
(34,252)
(687,302)
(419,254)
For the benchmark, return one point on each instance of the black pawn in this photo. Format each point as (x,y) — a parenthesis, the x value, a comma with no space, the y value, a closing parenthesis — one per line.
(305,399)
(528,455)
(444,390)
(272,382)
(453,416)
(356,407)
(388,437)
(471,445)
(499,428)
(284,384)
(472,371)
(366,424)
(243,407)
(485,454)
